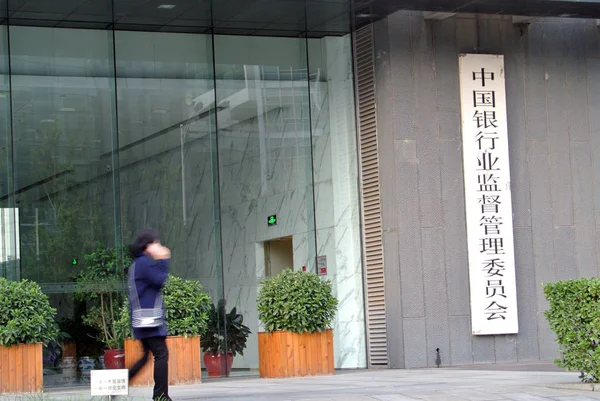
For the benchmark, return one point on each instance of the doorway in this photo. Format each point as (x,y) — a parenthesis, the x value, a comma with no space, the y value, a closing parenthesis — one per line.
(279,255)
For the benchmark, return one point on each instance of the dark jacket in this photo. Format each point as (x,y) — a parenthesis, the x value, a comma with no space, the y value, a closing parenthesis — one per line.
(150,277)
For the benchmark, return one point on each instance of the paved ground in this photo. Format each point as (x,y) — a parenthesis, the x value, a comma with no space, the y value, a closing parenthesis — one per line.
(494,383)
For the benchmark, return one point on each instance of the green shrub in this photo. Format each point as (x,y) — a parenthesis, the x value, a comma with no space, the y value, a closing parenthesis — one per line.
(100,285)
(574,316)
(25,314)
(296,301)
(187,308)
(123,322)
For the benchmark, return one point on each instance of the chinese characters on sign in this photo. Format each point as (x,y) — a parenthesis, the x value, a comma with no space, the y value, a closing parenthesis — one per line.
(109,382)
(487,195)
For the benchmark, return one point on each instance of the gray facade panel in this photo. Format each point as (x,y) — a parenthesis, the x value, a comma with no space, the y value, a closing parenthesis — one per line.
(577,98)
(517,126)
(574,49)
(393,308)
(527,286)
(533,38)
(484,349)
(553,97)
(409,239)
(586,250)
(585,230)
(421,35)
(506,348)
(543,245)
(592,41)
(436,309)
(560,159)
(583,178)
(389,196)
(535,100)
(457,268)
(466,34)
(554,43)
(447,84)
(461,345)
(449,123)
(427,141)
(593,67)
(564,258)
(415,343)
(512,43)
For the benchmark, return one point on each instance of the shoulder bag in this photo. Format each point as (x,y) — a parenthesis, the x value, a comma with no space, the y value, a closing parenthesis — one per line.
(142,318)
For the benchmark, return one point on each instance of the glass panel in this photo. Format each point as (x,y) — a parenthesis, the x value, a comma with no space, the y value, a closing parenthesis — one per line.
(336,189)
(267,202)
(9,215)
(167,145)
(64,134)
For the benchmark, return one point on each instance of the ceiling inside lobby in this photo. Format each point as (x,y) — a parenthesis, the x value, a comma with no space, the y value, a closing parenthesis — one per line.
(262,17)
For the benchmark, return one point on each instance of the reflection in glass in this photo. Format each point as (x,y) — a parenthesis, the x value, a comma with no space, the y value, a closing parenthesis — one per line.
(336,190)
(167,141)
(265,168)
(9,215)
(63,137)
(245,164)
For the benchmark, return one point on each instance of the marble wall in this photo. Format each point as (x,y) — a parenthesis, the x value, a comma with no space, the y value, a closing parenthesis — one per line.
(337,203)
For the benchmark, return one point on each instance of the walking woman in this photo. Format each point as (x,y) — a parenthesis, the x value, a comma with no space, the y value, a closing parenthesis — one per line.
(147,276)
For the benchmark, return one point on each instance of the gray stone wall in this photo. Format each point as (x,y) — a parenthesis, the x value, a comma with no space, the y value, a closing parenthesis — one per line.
(553,95)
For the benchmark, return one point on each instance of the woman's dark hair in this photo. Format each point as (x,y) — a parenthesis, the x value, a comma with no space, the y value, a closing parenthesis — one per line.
(142,240)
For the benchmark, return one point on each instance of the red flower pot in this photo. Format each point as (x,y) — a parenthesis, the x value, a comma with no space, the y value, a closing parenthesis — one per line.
(114,359)
(217,365)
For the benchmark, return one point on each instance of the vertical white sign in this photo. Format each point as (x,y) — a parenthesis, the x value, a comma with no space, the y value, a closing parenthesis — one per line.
(488,195)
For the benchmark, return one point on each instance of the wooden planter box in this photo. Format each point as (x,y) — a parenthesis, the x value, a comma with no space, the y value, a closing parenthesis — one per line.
(285,354)
(184,361)
(21,368)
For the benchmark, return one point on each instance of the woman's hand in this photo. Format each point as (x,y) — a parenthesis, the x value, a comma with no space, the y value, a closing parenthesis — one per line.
(158,252)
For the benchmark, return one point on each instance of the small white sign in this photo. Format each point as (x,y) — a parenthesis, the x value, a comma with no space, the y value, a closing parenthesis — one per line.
(488,195)
(109,382)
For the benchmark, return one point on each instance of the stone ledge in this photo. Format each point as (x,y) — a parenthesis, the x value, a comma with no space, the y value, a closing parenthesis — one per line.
(577,386)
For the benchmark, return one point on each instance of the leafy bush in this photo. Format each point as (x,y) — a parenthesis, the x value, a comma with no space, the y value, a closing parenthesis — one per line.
(296,301)
(221,322)
(100,285)
(25,314)
(123,323)
(574,316)
(187,306)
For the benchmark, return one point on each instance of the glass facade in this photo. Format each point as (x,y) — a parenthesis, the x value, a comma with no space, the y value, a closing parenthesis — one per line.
(239,150)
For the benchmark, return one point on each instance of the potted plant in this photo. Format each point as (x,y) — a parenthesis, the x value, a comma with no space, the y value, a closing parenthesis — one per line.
(100,285)
(26,324)
(296,309)
(218,353)
(187,306)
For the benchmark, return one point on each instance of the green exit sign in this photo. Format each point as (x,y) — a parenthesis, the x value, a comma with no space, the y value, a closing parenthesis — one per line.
(272,220)
(74,262)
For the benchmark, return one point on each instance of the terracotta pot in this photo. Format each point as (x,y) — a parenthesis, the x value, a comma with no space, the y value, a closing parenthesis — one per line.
(114,359)
(217,365)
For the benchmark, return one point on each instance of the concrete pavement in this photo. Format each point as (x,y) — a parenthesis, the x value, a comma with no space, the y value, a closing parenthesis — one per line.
(505,382)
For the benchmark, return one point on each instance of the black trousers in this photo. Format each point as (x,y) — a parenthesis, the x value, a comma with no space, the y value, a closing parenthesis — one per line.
(158,347)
